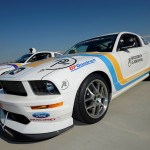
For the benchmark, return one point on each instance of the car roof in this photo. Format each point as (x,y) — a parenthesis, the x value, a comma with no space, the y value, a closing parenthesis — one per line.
(116,33)
(43,52)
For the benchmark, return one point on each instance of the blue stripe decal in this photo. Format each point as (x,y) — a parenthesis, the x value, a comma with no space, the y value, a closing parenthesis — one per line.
(111,69)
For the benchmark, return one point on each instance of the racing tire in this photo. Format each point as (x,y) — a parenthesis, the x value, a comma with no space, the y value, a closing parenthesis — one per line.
(92,100)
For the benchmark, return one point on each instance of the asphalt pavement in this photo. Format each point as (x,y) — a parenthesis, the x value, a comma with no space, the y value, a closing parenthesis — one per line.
(126,126)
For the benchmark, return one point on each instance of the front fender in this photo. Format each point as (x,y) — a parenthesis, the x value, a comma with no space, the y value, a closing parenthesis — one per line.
(74,78)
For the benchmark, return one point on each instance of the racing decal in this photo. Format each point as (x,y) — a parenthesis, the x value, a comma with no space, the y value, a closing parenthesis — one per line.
(134,59)
(41,115)
(115,71)
(65,85)
(15,71)
(62,63)
(14,65)
(80,65)
(47,119)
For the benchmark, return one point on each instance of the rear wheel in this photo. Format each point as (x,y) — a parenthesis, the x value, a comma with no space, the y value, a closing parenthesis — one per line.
(92,100)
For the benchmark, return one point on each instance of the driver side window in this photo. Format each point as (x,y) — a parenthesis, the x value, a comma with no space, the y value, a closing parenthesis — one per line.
(128,41)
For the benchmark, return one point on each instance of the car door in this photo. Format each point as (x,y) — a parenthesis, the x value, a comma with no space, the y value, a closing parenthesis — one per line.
(133,56)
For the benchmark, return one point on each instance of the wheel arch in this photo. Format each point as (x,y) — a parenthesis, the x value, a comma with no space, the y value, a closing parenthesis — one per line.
(75,114)
(105,76)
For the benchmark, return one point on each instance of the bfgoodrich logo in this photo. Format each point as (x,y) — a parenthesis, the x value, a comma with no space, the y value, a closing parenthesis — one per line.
(80,65)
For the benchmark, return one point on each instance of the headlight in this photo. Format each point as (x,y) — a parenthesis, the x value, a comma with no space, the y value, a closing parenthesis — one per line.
(42,87)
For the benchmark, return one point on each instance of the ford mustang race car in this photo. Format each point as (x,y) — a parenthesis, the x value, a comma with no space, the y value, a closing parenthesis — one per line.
(41,99)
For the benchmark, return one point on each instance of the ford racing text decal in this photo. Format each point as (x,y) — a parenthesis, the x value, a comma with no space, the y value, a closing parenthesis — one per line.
(80,65)
(47,119)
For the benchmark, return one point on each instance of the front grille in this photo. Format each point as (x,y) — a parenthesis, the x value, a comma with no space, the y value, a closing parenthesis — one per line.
(14,88)
(17,117)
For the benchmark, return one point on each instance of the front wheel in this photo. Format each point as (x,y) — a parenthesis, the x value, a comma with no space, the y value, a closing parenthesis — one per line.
(92,100)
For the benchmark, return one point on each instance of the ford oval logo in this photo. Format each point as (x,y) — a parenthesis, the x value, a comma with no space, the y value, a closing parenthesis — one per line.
(41,115)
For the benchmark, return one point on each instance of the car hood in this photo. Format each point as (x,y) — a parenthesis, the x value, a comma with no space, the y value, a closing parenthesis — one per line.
(40,69)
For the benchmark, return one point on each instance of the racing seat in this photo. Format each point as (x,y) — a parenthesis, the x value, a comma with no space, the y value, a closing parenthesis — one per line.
(110,47)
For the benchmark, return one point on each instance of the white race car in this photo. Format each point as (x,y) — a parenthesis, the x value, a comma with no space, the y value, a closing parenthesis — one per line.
(32,56)
(41,99)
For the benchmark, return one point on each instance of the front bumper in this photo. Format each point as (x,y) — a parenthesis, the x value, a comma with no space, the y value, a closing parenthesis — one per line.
(18,107)
(13,135)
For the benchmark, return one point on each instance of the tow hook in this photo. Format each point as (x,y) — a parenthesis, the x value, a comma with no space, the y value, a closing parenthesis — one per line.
(4,124)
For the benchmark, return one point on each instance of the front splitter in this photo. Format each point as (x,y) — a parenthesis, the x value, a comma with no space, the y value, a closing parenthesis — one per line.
(12,135)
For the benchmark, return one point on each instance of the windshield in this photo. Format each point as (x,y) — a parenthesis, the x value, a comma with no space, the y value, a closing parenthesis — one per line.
(23,58)
(99,44)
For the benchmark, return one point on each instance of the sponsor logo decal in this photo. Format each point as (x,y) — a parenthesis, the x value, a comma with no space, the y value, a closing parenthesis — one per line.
(62,63)
(15,71)
(47,119)
(41,115)
(80,65)
(134,59)
(65,85)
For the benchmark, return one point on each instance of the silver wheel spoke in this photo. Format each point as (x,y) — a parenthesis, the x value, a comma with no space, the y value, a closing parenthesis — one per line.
(94,88)
(92,94)
(93,110)
(102,93)
(98,87)
(88,99)
(99,109)
(92,105)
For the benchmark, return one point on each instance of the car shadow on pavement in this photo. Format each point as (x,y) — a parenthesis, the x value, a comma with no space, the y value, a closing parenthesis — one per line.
(78,123)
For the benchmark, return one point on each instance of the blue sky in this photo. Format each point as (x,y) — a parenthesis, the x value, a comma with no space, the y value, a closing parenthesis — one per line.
(56,25)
